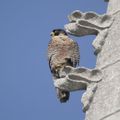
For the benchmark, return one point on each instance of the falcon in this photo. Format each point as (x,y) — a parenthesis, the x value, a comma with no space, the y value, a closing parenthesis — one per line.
(62,51)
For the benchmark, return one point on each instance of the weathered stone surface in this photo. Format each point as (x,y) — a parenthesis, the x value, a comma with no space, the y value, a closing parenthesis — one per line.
(113,116)
(106,101)
(113,6)
(99,41)
(106,98)
(111,51)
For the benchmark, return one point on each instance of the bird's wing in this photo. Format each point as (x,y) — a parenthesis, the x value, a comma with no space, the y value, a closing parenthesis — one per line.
(50,53)
(75,53)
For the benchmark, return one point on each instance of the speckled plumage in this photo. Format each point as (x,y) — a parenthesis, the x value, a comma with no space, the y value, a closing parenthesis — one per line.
(62,51)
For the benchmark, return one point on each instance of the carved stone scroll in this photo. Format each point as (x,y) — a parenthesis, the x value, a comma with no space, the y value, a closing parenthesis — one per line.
(90,23)
(80,79)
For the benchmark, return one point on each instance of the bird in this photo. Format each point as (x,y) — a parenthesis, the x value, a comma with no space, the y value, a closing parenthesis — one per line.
(62,52)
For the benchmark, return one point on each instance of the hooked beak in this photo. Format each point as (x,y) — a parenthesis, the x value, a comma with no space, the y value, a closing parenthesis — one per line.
(52,34)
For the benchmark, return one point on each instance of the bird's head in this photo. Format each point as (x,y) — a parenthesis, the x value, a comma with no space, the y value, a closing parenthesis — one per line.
(57,32)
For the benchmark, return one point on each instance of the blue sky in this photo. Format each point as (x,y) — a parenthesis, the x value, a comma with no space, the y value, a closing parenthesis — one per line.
(26,87)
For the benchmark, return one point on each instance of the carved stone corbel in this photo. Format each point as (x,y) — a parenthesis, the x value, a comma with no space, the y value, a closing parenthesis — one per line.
(90,23)
(80,79)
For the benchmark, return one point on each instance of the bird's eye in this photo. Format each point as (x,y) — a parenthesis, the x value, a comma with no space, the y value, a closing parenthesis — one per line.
(56,33)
